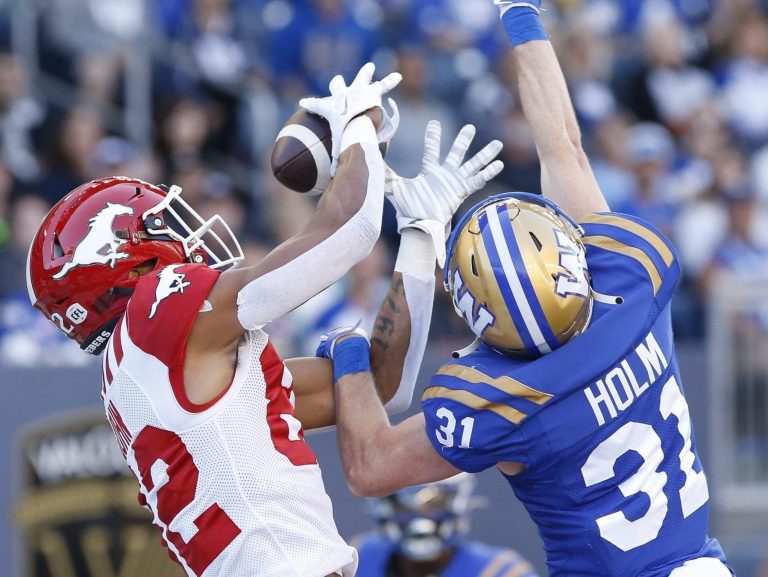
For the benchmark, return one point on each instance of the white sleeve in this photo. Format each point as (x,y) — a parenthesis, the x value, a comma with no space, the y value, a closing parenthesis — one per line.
(283,289)
(416,262)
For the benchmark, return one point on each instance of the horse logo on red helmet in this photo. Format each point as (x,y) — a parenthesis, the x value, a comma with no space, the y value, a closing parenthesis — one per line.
(100,235)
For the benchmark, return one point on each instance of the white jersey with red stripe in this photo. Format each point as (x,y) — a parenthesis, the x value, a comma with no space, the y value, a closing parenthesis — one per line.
(231,484)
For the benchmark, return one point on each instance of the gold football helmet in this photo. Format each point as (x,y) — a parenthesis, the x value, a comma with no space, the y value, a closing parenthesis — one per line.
(517,273)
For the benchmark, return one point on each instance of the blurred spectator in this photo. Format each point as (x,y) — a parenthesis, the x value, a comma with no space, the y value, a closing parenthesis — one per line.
(650,151)
(610,161)
(21,115)
(69,160)
(678,89)
(319,39)
(87,42)
(463,38)
(740,254)
(741,259)
(26,214)
(218,56)
(6,192)
(493,105)
(417,107)
(26,338)
(421,532)
(587,60)
(745,80)
(184,134)
(117,156)
(207,60)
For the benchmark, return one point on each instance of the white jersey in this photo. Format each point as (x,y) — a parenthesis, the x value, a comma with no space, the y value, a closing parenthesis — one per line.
(232,485)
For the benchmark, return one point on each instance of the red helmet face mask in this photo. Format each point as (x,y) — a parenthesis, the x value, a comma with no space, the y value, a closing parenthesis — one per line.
(80,262)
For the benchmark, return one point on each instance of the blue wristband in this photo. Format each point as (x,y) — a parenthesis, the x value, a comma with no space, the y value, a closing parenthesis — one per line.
(351,355)
(523,25)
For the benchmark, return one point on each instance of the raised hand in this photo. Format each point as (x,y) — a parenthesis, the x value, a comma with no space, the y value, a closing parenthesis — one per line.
(429,201)
(346,102)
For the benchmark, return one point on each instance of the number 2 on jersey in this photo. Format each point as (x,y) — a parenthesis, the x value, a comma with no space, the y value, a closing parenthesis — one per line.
(167,467)
(641,438)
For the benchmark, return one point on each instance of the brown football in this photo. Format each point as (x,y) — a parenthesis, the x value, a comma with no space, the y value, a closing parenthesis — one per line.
(301,157)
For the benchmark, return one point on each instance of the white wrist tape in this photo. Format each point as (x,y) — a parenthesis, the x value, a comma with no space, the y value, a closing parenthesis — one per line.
(416,262)
(420,294)
(285,288)
(417,253)
(358,131)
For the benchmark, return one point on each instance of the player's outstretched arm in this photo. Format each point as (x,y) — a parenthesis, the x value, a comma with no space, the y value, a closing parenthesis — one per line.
(378,459)
(424,206)
(342,231)
(566,175)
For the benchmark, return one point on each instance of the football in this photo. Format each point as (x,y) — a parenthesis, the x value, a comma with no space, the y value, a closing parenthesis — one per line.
(301,157)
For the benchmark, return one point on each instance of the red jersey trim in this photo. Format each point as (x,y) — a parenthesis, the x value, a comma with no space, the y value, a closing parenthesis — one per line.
(176,376)
(160,322)
(117,338)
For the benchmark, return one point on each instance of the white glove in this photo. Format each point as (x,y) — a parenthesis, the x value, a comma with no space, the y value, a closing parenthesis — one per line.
(346,102)
(429,201)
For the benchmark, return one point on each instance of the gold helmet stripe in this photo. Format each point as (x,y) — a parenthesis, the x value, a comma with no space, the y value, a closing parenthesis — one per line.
(613,245)
(504,383)
(635,228)
(475,402)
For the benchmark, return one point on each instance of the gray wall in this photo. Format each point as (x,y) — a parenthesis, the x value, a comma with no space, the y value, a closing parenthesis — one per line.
(29,395)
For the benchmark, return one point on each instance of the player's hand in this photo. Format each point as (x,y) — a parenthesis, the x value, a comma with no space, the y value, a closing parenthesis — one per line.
(346,102)
(327,346)
(429,201)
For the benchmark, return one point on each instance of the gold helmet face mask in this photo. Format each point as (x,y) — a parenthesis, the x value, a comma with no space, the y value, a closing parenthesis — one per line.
(517,273)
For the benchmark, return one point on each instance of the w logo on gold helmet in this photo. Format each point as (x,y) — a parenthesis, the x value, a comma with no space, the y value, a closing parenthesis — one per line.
(517,273)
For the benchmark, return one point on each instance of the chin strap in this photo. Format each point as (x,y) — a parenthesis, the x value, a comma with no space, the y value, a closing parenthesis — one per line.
(470,348)
(606,299)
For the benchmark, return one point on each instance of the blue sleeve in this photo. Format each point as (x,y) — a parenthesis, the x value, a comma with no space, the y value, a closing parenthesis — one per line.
(637,246)
(469,431)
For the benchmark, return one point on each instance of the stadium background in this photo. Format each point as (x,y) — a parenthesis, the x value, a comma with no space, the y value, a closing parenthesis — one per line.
(672,96)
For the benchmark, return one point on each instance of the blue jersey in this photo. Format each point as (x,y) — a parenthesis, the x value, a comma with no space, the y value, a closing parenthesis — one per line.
(612,478)
(469,560)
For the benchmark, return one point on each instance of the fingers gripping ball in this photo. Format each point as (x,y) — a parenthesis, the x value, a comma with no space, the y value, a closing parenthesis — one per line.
(301,157)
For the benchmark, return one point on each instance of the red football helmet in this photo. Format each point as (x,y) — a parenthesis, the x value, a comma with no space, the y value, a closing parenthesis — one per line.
(79,262)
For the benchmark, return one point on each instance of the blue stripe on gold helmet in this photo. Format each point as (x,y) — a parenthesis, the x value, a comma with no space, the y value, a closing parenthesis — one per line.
(517,273)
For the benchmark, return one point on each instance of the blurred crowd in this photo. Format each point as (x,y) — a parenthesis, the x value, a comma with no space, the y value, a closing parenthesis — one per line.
(671,96)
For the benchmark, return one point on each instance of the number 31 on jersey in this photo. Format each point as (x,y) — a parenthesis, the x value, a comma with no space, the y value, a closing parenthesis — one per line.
(645,441)
(445,432)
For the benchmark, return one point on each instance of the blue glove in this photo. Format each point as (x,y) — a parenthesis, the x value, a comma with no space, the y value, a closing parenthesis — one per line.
(348,348)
